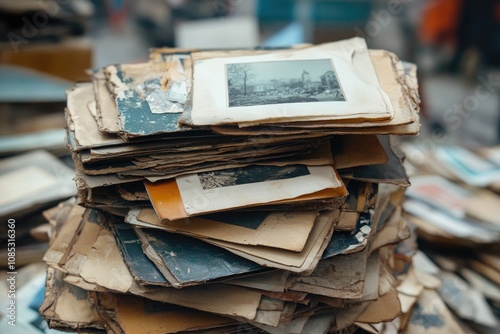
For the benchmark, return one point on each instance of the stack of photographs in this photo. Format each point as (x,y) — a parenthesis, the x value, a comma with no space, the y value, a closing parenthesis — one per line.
(236,191)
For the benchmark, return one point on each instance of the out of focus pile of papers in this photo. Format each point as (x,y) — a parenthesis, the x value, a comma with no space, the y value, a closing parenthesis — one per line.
(29,184)
(47,37)
(237,191)
(454,205)
(43,51)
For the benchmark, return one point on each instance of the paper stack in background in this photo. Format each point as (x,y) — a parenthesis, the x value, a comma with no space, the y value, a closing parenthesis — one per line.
(237,191)
(43,52)
(29,184)
(454,204)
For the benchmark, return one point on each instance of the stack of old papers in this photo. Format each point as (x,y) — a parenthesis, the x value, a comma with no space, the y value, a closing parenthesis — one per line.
(29,184)
(235,191)
(454,205)
(454,198)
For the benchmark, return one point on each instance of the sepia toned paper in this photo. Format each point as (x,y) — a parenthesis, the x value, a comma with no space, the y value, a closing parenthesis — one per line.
(168,203)
(304,261)
(107,115)
(355,92)
(399,85)
(284,230)
(134,314)
(68,307)
(219,190)
(86,130)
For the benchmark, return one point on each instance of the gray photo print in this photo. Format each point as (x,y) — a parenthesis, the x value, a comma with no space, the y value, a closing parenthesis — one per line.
(287,81)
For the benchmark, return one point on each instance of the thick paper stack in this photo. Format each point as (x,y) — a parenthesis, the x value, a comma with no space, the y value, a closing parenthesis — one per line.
(454,205)
(235,191)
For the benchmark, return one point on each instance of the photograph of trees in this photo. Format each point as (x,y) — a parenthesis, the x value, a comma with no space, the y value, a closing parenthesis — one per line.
(289,81)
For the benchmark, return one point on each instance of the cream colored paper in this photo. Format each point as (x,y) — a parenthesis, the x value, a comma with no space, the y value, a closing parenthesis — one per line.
(284,230)
(197,200)
(364,98)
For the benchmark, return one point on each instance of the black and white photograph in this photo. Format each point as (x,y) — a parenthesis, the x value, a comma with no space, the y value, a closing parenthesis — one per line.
(284,81)
(249,186)
(333,81)
(251,174)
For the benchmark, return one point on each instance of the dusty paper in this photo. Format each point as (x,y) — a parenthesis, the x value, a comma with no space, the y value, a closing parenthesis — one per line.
(226,189)
(141,101)
(350,151)
(135,315)
(87,132)
(284,230)
(67,307)
(337,277)
(186,261)
(105,105)
(344,67)
(304,261)
(102,264)
(397,84)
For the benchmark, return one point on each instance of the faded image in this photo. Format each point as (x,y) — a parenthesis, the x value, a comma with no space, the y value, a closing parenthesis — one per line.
(251,174)
(289,81)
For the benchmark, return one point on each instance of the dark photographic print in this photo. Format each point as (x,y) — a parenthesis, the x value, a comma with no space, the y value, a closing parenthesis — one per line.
(246,219)
(287,81)
(250,174)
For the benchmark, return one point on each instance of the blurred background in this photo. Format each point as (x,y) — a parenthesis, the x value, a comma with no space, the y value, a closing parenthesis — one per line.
(455,43)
